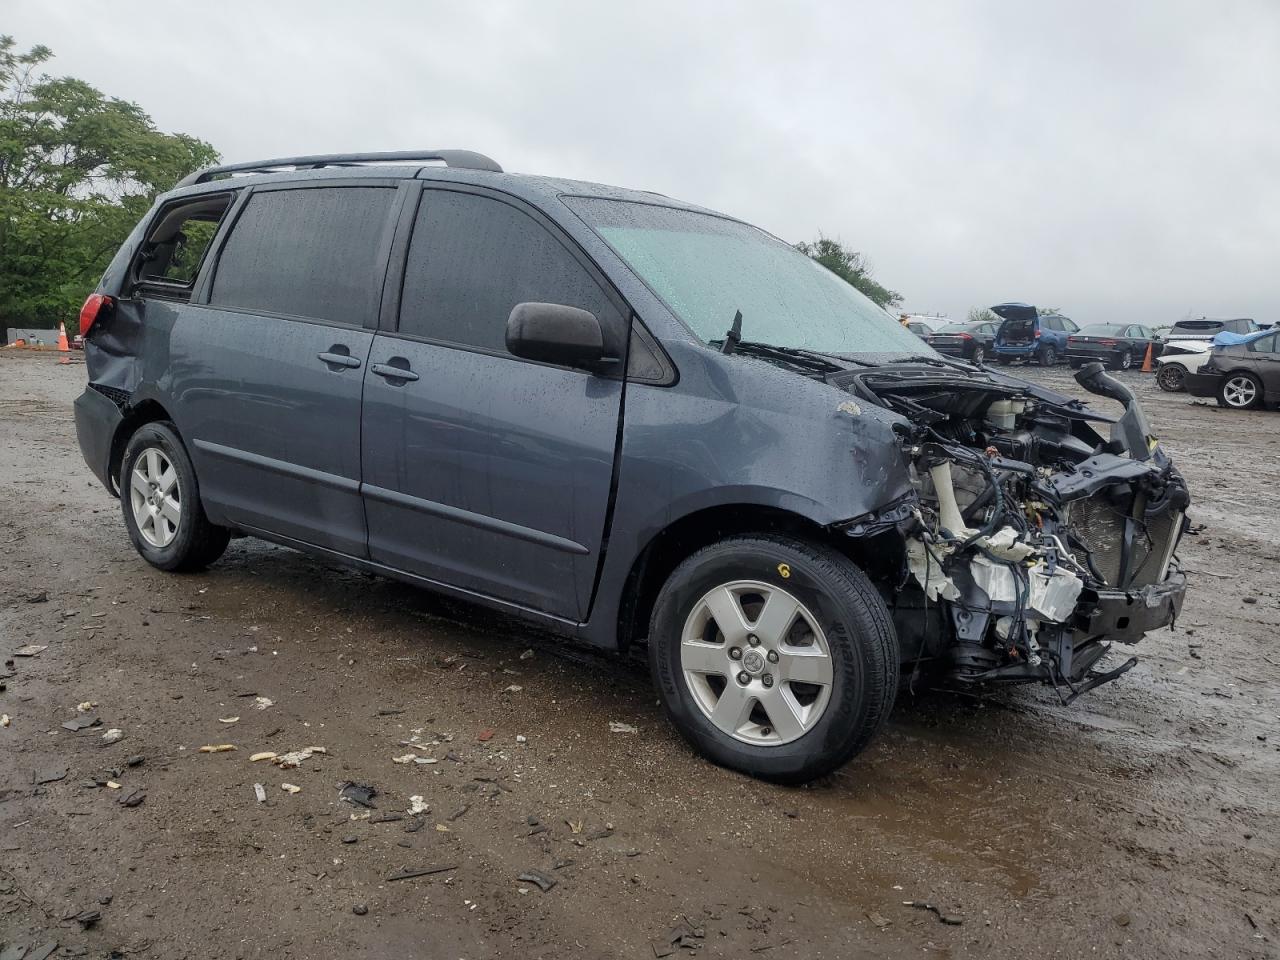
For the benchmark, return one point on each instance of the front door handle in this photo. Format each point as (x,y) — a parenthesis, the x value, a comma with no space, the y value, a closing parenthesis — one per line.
(393,372)
(338,359)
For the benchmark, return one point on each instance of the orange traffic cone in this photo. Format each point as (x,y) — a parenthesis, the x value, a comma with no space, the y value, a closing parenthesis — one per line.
(1146,361)
(64,348)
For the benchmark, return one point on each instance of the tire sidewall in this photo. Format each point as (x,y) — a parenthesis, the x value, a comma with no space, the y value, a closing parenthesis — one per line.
(850,696)
(172,556)
(1048,356)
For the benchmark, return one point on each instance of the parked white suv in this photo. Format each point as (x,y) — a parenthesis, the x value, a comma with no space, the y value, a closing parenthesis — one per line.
(1187,347)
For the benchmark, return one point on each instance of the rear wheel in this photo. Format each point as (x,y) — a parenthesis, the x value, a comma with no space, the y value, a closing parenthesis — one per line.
(773,657)
(161,502)
(1048,356)
(1171,377)
(1240,391)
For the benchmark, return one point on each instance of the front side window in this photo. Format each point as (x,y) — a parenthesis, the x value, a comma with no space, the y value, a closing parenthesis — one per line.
(1264,344)
(473,258)
(706,268)
(315,253)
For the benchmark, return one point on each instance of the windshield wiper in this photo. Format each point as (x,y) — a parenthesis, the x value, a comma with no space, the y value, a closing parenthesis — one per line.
(734,336)
(823,363)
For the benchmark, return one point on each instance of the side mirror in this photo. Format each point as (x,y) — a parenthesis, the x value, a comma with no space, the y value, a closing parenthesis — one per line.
(554,333)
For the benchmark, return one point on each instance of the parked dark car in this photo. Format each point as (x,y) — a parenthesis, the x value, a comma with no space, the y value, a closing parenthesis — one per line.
(1243,372)
(971,341)
(1118,345)
(627,420)
(1027,334)
(921,330)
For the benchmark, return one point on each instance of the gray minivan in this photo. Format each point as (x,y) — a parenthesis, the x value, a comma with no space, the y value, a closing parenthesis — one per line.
(626,419)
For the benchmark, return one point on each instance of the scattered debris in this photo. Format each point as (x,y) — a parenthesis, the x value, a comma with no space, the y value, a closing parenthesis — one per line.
(521,738)
(87,918)
(359,909)
(85,707)
(616,726)
(216,747)
(133,799)
(441,828)
(527,655)
(360,794)
(264,755)
(41,597)
(114,735)
(681,935)
(386,818)
(514,688)
(50,775)
(485,735)
(4,719)
(260,792)
(423,872)
(406,758)
(879,919)
(457,814)
(31,650)
(81,723)
(263,702)
(290,788)
(136,760)
(228,719)
(543,881)
(295,758)
(418,805)
(350,838)
(947,918)
(112,785)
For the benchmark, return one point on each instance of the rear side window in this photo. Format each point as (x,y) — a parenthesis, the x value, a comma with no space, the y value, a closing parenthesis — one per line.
(317,253)
(1052,323)
(176,243)
(472,258)
(1264,344)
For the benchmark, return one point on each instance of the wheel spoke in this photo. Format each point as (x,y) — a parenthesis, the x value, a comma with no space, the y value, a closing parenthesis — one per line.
(171,511)
(168,478)
(807,667)
(153,464)
(784,713)
(732,708)
(727,613)
(139,483)
(776,618)
(704,658)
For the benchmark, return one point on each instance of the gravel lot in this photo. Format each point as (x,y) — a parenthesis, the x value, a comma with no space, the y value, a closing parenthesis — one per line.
(1143,821)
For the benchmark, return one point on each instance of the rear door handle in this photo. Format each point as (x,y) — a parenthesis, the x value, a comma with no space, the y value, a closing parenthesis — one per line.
(393,372)
(338,359)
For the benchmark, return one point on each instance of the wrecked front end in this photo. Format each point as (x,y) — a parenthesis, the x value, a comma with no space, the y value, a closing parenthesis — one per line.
(1032,541)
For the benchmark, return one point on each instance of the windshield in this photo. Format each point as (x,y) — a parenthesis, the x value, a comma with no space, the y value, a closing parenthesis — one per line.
(1102,330)
(706,268)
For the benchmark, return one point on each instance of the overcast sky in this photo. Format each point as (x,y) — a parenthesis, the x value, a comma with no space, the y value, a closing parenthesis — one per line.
(1115,159)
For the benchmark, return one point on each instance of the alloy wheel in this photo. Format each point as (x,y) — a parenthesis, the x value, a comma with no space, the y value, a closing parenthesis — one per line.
(156,497)
(756,662)
(1240,391)
(1170,377)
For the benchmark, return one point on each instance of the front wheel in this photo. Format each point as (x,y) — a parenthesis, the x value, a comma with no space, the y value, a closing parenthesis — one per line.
(1240,391)
(161,502)
(773,657)
(1123,360)
(1171,378)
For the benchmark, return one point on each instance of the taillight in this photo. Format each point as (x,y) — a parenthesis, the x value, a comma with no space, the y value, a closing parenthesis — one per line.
(1037,333)
(1072,339)
(1107,343)
(966,336)
(95,306)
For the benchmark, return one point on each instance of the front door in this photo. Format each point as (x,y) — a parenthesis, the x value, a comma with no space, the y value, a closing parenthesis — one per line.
(482,470)
(267,374)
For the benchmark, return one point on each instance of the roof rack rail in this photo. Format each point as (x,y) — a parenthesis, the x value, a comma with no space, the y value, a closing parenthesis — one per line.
(452,158)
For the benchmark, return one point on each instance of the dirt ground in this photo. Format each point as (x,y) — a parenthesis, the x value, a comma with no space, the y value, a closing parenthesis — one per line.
(1141,822)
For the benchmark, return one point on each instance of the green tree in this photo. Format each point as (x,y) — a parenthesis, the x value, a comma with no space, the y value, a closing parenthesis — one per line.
(851,266)
(981,315)
(77,170)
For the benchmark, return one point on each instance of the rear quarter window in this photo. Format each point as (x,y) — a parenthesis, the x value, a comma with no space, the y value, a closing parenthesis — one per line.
(317,253)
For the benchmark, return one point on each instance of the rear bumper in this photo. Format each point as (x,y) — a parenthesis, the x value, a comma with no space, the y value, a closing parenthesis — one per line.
(1105,354)
(951,349)
(1126,615)
(97,418)
(1202,384)
(1015,350)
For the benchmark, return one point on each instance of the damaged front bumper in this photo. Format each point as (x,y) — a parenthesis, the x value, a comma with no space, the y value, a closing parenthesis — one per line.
(1126,616)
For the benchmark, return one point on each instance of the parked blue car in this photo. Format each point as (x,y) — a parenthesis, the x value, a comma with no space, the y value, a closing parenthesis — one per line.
(1027,334)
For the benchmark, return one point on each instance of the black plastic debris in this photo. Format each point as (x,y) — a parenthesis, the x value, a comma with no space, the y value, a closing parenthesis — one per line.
(135,761)
(360,794)
(49,775)
(543,881)
(41,597)
(421,872)
(82,722)
(87,918)
(459,812)
(359,909)
(133,799)
(950,919)
(386,818)
(42,952)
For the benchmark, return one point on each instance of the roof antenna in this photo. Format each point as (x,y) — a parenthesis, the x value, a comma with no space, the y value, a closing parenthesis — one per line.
(734,336)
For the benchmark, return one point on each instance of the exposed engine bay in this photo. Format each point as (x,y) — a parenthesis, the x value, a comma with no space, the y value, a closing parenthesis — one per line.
(1031,540)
